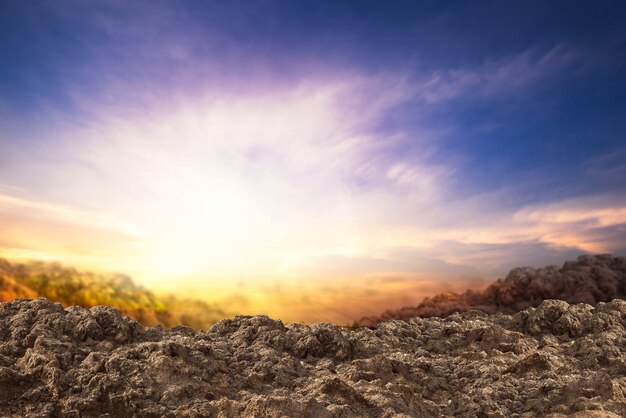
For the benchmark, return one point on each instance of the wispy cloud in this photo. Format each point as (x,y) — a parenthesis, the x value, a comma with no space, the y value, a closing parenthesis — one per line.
(64,214)
(506,75)
(240,185)
(227,182)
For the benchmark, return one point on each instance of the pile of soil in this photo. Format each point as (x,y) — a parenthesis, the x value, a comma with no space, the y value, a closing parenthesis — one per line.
(555,360)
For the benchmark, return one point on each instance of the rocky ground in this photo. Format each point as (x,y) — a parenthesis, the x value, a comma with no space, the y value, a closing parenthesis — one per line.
(556,360)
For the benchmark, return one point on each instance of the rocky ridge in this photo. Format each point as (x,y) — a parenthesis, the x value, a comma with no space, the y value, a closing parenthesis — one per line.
(555,360)
(589,279)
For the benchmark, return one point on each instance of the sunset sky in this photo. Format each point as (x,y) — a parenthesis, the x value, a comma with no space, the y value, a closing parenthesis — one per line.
(309,159)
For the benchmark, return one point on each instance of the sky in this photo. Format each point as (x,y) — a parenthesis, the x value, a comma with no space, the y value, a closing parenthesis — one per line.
(315,160)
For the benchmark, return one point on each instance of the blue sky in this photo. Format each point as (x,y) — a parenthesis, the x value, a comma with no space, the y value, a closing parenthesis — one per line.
(309,141)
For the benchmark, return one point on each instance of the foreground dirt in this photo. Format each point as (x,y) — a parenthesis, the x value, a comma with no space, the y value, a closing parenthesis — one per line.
(555,360)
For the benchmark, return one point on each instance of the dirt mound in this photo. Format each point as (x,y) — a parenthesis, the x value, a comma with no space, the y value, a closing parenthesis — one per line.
(589,279)
(555,360)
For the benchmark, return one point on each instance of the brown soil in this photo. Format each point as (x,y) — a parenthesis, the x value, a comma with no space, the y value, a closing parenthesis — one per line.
(556,360)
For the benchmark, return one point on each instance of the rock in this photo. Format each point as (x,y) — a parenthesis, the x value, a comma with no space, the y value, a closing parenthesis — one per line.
(589,279)
(556,360)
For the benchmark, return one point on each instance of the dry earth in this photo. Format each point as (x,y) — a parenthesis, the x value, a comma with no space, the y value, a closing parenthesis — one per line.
(556,360)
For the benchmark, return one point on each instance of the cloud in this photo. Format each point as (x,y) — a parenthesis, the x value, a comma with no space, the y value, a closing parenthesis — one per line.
(607,169)
(63,214)
(243,185)
(564,213)
(497,76)
(401,263)
(228,183)
(243,172)
(495,259)
(33,229)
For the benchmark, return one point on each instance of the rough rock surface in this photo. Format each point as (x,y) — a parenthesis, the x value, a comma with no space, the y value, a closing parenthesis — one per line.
(555,360)
(589,279)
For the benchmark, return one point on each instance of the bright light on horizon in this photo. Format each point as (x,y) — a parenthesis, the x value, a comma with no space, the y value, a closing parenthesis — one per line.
(257,187)
(292,151)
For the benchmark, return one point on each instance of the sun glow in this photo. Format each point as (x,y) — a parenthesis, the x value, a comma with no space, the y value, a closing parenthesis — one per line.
(259,200)
(221,187)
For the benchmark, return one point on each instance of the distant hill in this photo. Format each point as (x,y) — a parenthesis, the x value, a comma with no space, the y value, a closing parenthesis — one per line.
(69,286)
(589,279)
